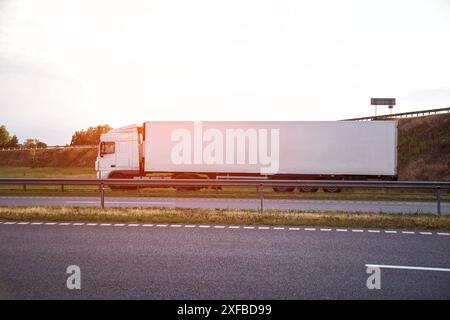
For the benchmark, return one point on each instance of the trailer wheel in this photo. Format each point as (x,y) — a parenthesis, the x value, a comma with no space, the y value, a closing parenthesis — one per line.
(283,189)
(308,189)
(187,176)
(332,189)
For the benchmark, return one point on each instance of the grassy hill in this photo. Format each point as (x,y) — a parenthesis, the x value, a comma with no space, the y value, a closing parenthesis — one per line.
(66,157)
(424,148)
(423,151)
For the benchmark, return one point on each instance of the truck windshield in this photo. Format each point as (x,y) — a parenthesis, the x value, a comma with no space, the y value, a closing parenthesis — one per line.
(107,148)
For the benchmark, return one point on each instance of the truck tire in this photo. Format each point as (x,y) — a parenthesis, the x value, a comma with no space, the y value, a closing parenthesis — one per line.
(188,176)
(308,189)
(283,189)
(118,187)
(332,189)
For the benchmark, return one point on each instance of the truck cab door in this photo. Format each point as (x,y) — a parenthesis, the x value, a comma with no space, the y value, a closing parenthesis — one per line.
(107,156)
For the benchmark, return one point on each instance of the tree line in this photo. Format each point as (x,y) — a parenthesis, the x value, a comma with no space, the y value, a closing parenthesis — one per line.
(8,141)
(90,136)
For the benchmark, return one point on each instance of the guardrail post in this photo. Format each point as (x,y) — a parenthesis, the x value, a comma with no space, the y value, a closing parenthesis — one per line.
(102,196)
(62,188)
(438,200)
(261,197)
(24,187)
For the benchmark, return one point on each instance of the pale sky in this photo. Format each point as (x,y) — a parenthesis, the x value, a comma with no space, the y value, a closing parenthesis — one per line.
(69,64)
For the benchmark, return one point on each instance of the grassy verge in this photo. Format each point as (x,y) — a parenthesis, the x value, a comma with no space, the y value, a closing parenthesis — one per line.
(248,217)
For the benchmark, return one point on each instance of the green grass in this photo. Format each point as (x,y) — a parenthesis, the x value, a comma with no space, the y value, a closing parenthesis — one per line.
(247,217)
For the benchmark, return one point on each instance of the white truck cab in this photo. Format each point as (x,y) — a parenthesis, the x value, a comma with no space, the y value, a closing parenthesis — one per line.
(118,152)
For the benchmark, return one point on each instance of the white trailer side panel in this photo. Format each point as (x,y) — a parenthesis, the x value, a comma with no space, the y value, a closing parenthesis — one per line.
(305,147)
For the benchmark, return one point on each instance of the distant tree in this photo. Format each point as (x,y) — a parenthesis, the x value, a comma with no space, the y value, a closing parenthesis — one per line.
(13,142)
(4,136)
(34,143)
(89,136)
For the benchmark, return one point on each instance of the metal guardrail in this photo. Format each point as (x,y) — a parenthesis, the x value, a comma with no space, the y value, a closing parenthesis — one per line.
(260,184)
(402,114)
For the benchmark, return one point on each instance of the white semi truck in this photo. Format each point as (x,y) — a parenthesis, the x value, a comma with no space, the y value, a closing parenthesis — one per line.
(331,150)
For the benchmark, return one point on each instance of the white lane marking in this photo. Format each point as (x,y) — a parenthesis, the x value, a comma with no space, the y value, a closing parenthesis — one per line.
(217,227)
(121,202)
(119,224)
(175,225)
(406,267)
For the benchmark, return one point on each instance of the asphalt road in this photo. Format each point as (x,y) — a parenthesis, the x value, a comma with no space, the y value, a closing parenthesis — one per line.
(210,203)
(218,262)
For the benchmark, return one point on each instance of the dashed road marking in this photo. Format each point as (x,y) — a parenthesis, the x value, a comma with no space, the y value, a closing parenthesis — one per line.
(105,224)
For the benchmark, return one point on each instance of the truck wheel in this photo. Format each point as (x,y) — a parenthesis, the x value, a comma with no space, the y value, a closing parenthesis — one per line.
(118,187)
(283,189)
(332,189)
(187,176)
(308,189)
